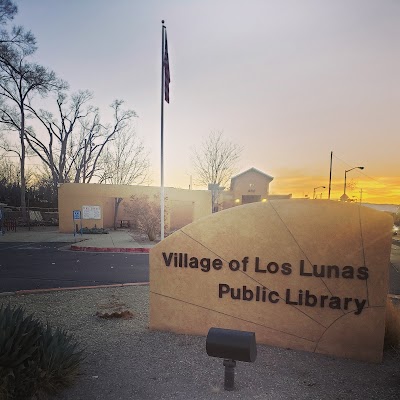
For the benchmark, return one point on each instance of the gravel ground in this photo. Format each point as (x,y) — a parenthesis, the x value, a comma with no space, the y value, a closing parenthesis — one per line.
(124,360)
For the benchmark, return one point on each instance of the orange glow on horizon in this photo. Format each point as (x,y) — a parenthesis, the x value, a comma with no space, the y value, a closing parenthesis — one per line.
(378,190)
(382,190)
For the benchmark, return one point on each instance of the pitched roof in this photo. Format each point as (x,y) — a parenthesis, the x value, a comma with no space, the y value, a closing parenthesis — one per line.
(252,170)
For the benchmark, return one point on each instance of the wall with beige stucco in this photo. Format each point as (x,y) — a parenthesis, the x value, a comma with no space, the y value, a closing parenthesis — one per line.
(183,206)
(301,274)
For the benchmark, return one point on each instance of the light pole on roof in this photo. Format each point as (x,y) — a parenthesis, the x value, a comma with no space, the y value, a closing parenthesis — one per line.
(345,177)
(323,187)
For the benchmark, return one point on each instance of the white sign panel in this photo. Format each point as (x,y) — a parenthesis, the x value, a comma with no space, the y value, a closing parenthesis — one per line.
(91,212)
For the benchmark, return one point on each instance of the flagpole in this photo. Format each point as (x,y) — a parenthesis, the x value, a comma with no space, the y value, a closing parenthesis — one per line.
(330,178)
(162,131)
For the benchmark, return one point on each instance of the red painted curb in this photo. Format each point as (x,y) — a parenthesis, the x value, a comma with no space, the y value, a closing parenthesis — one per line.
(33,291)
(112,249)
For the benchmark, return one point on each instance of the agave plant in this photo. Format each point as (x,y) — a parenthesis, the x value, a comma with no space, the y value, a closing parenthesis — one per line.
(19,351)
(34,358)
(19,336)
(59,359)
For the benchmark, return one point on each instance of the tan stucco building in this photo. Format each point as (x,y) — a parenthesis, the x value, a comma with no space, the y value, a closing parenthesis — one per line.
(183,206)
(250,186)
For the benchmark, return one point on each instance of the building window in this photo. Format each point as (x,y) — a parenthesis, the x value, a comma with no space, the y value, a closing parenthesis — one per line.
(252,189)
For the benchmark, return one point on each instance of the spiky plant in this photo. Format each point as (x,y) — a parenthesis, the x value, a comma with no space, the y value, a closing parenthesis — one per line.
(34,358)
(59,360)
(19,352)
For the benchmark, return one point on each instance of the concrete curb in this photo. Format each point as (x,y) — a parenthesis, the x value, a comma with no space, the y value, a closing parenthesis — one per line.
(5,294)
(111,249)
(50,290)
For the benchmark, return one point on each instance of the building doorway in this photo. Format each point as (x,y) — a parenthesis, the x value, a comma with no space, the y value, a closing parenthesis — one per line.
(251,198)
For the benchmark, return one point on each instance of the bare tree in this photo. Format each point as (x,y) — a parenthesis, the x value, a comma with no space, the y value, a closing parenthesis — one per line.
(19,81)
(57,151)
(9,180)
(76,140)
(146,214)
(9,171)
(125,162)
(16,36)
(215,162)
(94,138)
(8,10)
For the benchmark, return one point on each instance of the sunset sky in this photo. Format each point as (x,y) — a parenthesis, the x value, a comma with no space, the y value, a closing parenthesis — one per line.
(290,81)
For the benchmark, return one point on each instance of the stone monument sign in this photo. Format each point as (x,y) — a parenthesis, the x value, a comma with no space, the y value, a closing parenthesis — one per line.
(302,274)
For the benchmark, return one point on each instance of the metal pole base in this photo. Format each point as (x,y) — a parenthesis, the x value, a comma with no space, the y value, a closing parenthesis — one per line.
(229,383)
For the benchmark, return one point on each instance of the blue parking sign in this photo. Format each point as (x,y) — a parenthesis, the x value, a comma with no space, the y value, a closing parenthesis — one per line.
(77,214)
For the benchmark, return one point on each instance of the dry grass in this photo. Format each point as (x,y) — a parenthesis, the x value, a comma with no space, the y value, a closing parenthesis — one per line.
(392,326)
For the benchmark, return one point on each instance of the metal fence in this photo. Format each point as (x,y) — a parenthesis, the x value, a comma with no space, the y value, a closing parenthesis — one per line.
(13,217)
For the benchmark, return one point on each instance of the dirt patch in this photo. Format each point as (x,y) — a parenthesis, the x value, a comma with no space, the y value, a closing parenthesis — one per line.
(125,314)
(113,308)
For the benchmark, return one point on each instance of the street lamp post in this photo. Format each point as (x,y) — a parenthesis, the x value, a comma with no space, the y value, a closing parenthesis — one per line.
(323,187)
(345,177)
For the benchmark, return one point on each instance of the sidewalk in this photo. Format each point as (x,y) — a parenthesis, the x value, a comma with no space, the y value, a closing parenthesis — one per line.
(120,240)
(115,241)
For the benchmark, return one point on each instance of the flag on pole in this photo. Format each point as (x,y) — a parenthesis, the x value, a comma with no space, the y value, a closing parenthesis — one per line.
(167,79)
